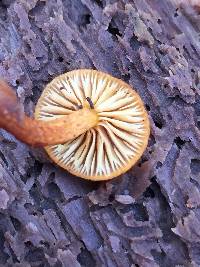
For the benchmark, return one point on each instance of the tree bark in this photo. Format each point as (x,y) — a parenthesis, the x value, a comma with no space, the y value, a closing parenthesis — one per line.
(148,216)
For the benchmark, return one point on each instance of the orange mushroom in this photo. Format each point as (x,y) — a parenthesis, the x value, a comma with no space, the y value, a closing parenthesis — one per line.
(90,123)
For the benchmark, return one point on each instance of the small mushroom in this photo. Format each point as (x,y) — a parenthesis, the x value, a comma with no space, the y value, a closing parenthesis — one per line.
(91,124)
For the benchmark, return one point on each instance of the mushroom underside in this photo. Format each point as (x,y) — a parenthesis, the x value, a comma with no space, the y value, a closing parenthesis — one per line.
(119,139)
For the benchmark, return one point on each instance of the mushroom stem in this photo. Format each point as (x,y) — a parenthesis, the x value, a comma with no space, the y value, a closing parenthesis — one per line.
(41,133)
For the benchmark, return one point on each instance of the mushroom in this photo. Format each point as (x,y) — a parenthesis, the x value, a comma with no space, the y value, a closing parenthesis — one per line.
(90,123)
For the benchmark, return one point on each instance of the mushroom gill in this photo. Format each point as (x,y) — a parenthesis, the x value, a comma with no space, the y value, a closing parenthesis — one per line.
(117,141)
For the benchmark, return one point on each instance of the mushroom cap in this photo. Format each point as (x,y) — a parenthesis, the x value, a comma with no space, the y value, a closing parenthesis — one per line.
(121,136)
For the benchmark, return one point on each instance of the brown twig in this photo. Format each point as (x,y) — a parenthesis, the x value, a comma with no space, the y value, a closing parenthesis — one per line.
(37,132)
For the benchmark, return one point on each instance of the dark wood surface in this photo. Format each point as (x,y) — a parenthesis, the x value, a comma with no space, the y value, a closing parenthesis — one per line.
(147,217)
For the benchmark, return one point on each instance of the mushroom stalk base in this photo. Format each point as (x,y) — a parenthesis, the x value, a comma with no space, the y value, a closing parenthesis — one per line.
(37,132)
(57,131)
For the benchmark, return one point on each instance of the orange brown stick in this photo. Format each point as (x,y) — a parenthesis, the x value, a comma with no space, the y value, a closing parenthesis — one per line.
(41,133)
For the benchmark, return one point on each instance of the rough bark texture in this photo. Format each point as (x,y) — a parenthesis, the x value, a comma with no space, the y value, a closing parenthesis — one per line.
(149,216)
